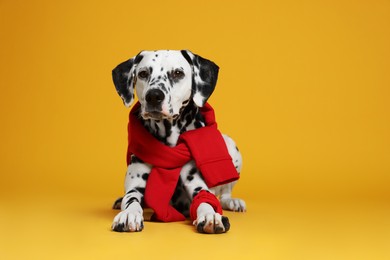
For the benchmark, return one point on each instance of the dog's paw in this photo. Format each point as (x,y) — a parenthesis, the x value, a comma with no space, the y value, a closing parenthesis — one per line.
(129,220)
(233,204)
(212,224)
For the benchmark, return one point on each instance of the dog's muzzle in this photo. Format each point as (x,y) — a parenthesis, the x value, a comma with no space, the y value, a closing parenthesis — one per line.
(154,99)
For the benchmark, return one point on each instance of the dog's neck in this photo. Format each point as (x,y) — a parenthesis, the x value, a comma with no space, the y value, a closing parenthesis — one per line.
(168,131)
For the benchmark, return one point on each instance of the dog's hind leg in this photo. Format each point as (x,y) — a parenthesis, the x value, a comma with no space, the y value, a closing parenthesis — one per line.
(224,192)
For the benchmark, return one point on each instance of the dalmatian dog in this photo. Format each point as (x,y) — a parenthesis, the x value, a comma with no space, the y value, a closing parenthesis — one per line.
(171,86)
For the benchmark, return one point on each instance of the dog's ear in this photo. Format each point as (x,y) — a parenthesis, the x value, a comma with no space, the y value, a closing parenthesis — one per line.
(204,77)
(124,79)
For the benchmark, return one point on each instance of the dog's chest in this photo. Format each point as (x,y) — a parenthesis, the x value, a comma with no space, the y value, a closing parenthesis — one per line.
(168,132)
(165,131)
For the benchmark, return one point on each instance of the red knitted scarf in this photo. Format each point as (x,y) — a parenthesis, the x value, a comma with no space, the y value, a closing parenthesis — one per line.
(204,145)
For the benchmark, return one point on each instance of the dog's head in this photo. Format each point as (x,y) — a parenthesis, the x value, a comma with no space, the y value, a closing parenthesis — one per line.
(165,81)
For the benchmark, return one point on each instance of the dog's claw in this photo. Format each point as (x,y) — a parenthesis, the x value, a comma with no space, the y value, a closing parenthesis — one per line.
(212,224)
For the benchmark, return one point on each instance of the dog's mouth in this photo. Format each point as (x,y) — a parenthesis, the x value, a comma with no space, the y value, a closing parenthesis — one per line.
(156,115)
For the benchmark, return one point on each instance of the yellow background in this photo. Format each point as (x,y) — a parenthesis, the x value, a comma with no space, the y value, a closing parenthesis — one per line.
(304,89)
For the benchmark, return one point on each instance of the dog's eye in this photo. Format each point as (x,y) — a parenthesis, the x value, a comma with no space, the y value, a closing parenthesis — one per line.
(143,74)
(178,74)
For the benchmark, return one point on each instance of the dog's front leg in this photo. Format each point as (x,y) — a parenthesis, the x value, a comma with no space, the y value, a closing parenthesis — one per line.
(130,219)
(207,220)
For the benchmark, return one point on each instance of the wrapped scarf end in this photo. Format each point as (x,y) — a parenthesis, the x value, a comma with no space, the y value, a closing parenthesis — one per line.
(219,172)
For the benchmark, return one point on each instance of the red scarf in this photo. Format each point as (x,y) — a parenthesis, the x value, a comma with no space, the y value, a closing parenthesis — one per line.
(204,145)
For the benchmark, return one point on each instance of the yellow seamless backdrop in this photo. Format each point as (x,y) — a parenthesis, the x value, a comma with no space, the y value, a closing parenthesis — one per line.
(304,89)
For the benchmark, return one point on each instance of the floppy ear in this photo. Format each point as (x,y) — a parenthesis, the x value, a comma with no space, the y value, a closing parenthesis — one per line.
(123,77)
(204,77)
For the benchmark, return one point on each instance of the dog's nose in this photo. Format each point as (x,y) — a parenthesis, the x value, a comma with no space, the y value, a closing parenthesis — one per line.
(154,97)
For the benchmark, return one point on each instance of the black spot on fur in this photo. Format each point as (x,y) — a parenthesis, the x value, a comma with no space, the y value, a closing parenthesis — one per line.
(179,123)
(199,120)
(196,191)
(140,190)
(193,171)
(145,176)
(117,204)
(138,59)
(187,57)
(131,200)
(198,124)
(171,82)
(168,128)
(189,119)
(188,113)
(185,102)
(162,86)
(131,191)
(135,159)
